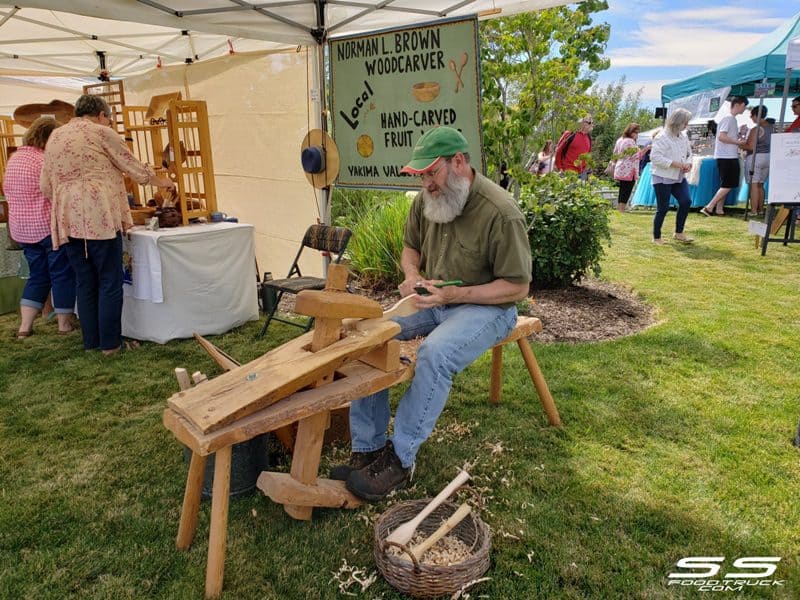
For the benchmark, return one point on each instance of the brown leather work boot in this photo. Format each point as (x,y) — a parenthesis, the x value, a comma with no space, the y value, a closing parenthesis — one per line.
(382,476)
(358,460)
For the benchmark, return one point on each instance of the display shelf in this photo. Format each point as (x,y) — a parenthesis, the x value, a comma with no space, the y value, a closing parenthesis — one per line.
(113,93)
(190,161)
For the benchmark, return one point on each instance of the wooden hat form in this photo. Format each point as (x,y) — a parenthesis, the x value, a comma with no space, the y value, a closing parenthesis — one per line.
(62,111)
(316,138)
(157,109)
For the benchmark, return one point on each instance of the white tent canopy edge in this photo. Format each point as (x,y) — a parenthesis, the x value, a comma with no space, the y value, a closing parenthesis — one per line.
(298,22)
(58,38)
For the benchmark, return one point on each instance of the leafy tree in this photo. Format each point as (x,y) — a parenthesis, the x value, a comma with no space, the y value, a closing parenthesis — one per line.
(536,68)
(615,110)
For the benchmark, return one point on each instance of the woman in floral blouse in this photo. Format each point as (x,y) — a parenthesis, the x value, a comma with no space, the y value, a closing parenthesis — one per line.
(84,163)
(626,167)
(29,225)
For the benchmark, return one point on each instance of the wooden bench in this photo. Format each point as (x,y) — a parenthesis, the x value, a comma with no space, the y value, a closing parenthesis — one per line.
(302,488)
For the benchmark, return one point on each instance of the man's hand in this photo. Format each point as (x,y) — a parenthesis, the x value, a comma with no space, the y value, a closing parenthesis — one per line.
(407,287)
(438,296)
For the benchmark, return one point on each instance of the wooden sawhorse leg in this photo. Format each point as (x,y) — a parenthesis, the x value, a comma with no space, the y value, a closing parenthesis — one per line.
(306,457)
(191,501)
(537,377)
(218,530)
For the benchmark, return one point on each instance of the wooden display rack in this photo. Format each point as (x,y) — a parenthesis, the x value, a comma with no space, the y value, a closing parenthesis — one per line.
(9,141)
(185,133)
(190,158)
(113,93)
(147,141)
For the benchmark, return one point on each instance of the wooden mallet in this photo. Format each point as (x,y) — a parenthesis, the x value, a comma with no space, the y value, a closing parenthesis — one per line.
(406,531)
(443,530)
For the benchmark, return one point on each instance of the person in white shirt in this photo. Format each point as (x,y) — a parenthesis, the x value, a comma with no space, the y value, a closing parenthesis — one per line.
(670,160)
(726,151)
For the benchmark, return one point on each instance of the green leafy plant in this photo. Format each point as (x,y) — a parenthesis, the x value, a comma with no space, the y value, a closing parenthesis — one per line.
(377,242)
(348,204)
(567,225)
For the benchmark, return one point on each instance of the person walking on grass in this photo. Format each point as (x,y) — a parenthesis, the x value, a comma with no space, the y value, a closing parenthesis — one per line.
(756,165)
(671,159)
(626,165)
(574,144)
(726,152)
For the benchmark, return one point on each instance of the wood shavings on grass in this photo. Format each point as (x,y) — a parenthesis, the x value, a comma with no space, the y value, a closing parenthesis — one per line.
(462,592)
(454,431)
(347,576)
(496,448)
(446,552)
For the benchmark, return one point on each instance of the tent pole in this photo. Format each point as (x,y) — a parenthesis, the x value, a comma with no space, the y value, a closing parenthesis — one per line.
(322,123)
(786,83)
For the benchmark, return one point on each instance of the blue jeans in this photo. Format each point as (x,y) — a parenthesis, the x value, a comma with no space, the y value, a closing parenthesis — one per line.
(49,269)
(98,274)
(456,336)
(663,192)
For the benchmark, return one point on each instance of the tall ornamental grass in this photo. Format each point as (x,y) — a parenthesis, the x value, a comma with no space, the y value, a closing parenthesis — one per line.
(377,243)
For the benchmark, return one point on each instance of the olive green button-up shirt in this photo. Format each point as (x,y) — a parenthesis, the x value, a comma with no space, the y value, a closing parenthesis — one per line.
(487,241)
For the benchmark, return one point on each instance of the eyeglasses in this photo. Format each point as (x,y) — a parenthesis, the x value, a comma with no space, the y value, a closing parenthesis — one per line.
(588,122)
(431,175)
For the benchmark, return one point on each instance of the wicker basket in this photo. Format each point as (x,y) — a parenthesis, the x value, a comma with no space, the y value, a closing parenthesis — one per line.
(140,215)
(422,580)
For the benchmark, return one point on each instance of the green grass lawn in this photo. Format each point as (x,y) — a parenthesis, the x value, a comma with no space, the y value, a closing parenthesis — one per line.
(676,442)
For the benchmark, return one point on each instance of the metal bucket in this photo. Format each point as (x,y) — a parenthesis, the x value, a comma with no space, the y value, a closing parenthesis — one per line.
(248,459)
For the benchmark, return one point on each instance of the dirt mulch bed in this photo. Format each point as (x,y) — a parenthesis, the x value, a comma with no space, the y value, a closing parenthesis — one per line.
(592,311)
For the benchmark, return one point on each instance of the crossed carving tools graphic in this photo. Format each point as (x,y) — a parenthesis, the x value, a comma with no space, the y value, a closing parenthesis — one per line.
(459,70)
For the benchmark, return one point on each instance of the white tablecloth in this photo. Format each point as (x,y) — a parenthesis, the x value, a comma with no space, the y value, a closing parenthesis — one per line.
(199,278)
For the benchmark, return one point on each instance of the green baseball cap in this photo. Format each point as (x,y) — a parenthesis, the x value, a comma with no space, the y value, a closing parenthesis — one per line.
(435,143)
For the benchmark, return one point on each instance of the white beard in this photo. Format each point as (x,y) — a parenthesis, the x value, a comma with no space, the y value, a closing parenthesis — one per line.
(450,202)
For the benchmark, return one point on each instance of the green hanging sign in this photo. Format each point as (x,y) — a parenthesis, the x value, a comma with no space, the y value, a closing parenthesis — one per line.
(389,87)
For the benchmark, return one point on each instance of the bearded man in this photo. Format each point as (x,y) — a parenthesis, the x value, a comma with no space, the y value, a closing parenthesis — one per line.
(461,226)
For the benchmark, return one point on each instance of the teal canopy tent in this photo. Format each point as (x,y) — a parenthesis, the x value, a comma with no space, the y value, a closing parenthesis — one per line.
(764,60)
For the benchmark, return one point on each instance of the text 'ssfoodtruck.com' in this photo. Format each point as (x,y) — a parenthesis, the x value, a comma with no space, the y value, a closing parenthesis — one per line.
(748,572)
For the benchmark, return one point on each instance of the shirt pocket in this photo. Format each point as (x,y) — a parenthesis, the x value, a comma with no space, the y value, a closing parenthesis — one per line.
(470,262)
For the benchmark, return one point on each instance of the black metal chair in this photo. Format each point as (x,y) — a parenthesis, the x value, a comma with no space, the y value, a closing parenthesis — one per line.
(324,238)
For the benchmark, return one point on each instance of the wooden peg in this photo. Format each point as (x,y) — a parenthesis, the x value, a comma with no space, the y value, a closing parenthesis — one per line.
(182,375)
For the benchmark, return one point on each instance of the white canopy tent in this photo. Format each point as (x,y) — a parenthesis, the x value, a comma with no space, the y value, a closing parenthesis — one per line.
(48,48)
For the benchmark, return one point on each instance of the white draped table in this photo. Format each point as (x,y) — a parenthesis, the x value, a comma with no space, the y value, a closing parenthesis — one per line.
(198,278)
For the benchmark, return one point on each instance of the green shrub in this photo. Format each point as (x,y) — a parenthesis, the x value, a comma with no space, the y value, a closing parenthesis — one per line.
(377,242)
(567,225)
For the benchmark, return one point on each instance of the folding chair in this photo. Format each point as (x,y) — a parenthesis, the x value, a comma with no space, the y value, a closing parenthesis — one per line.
(326,238)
